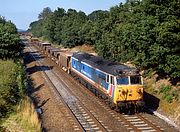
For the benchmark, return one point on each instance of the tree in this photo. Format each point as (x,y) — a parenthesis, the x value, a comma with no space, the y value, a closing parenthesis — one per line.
(10,46)
(144,32)
(46,11)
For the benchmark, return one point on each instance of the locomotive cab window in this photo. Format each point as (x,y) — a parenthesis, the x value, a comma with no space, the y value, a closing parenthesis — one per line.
(135,79)
(123,81)
(107,78)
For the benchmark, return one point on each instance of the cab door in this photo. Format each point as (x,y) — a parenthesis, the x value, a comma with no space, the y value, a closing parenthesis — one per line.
(110,80)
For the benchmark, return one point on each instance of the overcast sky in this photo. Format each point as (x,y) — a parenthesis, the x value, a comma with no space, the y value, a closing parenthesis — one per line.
(23,12)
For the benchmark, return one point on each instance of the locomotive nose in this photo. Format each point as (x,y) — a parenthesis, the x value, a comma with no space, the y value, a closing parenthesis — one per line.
(130,93)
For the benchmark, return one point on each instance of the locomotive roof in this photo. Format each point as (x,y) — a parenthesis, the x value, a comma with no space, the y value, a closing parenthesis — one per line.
(107,66)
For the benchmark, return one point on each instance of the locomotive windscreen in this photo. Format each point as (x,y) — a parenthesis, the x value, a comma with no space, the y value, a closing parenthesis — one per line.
(133,80)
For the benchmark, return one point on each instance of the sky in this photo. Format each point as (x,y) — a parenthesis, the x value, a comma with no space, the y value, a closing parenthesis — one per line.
(23,12)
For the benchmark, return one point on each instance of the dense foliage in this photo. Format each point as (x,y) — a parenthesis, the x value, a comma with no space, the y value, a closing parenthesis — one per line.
(9,40)
(12,85)
(145,32)
(12,73)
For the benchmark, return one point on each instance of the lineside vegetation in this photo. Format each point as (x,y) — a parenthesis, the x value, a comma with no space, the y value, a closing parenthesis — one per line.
(13,82)
(145,33)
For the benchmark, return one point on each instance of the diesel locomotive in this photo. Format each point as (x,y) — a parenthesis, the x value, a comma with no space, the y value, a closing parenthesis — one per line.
(119,85)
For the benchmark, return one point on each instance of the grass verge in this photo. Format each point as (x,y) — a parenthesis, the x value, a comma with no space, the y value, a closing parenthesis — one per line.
(168,94)
(25,119)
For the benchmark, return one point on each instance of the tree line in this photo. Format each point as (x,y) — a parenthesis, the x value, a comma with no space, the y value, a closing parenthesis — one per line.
(12,72)
(10,46)
(144,32)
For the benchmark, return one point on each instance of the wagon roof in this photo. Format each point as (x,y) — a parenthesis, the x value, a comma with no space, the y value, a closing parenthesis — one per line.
(45,43)
(48,47)
(107,66)
(66,53)
(55,49)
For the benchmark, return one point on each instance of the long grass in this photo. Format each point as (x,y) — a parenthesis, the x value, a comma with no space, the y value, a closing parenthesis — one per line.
(19,116)
(24,120)
(27,113)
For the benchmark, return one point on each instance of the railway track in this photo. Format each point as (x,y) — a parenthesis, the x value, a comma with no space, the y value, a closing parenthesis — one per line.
(86,120)
(91,118)
(131,122)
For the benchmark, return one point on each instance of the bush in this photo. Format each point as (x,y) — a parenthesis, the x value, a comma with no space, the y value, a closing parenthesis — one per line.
(10,46)
(175,95)
(12,85)
(169,98)
(169,94)
(165,89)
